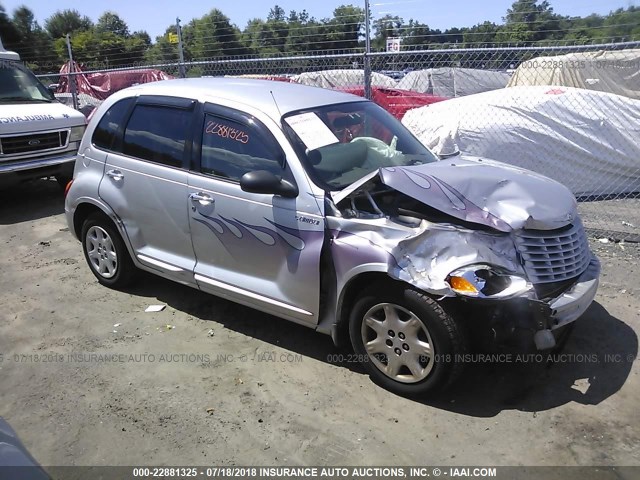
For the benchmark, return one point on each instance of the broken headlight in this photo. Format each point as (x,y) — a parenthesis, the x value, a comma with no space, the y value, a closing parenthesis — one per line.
(485,281)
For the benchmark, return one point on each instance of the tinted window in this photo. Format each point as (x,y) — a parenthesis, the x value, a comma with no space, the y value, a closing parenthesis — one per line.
(104,136)
(157,134)
(231,149)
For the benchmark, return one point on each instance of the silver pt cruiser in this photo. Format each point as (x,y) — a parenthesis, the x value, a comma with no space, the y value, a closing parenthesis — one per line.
(319,207)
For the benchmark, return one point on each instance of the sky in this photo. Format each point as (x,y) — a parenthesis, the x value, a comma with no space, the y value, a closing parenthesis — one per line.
(155,15)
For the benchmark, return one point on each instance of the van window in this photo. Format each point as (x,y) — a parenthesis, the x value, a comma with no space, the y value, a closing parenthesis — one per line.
(104,136)
(158,134)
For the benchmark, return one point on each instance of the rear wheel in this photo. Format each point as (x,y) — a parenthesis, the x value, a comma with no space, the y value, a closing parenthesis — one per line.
(406,341)
(105,252)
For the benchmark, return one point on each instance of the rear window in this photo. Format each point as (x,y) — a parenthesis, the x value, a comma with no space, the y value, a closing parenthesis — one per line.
(105,134)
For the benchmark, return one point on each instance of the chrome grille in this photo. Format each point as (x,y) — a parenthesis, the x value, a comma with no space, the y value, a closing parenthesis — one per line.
(34,142)
(554,255)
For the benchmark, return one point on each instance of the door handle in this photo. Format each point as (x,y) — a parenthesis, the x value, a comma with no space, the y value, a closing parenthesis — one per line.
(202,198)
(117,175)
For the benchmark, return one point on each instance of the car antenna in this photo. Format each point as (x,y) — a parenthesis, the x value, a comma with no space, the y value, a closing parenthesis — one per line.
(276,103)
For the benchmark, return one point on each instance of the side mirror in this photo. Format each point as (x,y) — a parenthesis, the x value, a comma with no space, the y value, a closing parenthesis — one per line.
(261,181)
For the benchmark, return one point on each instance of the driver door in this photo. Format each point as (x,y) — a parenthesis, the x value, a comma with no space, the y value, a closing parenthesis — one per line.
(262,250)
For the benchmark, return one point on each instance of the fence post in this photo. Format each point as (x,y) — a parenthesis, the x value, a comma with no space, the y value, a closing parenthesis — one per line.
(180,51)
(367,51)
(72,77)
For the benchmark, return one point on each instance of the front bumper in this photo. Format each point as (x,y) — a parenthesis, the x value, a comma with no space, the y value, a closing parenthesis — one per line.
(38,163)
(567,308)
(570,306)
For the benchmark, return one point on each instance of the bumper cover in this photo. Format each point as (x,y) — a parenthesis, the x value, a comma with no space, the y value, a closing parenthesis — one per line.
(38,163)
(569,306)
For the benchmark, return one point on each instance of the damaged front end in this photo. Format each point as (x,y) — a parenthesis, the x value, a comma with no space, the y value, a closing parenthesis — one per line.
(504,243)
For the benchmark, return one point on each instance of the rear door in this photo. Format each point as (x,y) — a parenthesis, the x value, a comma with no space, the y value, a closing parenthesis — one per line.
(145,183)
(261,250)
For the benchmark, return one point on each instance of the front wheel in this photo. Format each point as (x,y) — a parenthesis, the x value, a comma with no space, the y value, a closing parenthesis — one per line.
(406,341)
(105,252)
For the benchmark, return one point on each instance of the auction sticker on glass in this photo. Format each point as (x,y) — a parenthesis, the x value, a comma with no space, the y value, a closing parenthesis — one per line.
(312,130)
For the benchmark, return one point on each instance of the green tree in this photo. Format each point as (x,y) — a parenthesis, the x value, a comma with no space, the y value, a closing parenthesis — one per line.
(343,31)
(530,21)
(8,33)
(111,22)
(67,21)
(34,45)
(386,27)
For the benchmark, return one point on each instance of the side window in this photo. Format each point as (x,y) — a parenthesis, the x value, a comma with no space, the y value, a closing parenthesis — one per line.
(104,135)
(231,149)
(157,133)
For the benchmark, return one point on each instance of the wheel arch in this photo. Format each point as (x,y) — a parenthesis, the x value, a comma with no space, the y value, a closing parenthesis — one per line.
(86,207)
(349,295)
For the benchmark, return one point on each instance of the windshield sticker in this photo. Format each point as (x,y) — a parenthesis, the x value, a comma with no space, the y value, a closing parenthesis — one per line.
(26,118)
(312,131)
(225,131)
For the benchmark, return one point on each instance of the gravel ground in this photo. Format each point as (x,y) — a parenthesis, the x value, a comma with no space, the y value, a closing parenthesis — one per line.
(208,382)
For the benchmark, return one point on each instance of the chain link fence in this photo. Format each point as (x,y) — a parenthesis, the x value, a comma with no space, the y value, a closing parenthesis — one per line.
(569,112)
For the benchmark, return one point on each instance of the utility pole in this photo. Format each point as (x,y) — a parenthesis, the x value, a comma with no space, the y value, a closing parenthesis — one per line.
(180,52)
(72,77)
(367,51)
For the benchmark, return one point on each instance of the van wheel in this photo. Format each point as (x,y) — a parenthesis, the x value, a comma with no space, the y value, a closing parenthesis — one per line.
(406,341)
(105,252)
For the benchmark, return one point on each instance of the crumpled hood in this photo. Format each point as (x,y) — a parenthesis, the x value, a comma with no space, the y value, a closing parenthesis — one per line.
(482,191)
(32,117)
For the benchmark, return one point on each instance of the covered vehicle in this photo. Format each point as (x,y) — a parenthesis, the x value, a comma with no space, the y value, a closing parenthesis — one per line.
(616,71)
(588,141)
(395,101)
(321,208)
(39,136)
(340,78)
(453,81)
(100,85)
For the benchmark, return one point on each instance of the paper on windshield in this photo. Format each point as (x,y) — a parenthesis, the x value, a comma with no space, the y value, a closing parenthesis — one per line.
(311,130)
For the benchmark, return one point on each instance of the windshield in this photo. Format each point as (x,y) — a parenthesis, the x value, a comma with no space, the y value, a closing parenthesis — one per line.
(342,143)
(18,84)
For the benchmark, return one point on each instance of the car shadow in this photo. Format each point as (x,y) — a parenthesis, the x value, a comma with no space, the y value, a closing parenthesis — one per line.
(593,365)
(31,200)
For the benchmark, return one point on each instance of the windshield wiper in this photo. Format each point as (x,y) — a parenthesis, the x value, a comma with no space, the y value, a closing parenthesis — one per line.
(24,99)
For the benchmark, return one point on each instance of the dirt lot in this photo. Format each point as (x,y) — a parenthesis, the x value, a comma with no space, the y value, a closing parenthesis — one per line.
(209,382)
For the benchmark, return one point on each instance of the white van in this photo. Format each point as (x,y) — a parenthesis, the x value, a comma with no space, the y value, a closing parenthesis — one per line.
(39,136)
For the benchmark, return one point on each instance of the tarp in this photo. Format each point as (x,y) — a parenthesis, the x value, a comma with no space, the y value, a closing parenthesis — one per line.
(257,76)
(589,141)
(453,82)
(342,78)
(605,71)
(101,85)
(395,101)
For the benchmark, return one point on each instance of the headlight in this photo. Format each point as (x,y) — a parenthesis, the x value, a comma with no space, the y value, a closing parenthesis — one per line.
(485,281)
(76,133)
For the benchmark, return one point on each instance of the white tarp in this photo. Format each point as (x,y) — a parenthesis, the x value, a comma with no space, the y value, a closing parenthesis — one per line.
(605,71)
(589,141)
(342,78)
(453,82)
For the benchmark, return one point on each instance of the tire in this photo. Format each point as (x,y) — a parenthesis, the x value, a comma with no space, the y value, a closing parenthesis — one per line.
(105,252)
(405,321)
